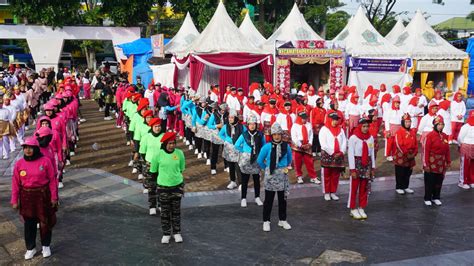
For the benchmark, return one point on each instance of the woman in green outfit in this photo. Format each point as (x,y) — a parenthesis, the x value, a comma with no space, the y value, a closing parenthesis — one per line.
(170,164)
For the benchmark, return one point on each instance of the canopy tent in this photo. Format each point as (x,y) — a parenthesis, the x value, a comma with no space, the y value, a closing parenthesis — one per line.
(164,74)
(185,36)
(294,28)
(247,28)
(373,59)
(396,31)
(222,46)
(432,53)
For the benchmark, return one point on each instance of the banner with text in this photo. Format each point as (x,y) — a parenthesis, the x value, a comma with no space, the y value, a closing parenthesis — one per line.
(378,65)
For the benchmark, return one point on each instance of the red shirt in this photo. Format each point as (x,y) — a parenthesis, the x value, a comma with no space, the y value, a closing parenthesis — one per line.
(436,153)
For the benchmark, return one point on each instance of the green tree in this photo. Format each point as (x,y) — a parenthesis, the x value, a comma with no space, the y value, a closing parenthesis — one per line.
(128,12)
(317,11)
(55,13)
(336,23)
(380,13)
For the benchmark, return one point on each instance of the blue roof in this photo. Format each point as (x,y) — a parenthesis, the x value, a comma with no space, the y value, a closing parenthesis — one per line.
(139,46)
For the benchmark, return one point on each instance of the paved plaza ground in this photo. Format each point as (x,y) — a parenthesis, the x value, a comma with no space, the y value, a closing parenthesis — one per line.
(103,219)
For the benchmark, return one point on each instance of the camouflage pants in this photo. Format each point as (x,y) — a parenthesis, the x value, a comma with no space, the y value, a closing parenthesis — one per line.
(170,211)
(149,183)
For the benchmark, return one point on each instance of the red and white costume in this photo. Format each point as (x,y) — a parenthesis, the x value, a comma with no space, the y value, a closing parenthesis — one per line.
(392,118)
(458,111)
(353,112)
(466,141)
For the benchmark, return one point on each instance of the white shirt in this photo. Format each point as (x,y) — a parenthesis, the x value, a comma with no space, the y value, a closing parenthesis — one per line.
(426,124)
(256,95)
(458,109)
(355,149)
(392,117)
(149,95)
(12,112)
(214,97)
(312,100)
(281,119)
(447,121)
(4,114)
(327,140)
(414,112)
(422,100)
(297,135)
(233,102)
(342,105)
(405,100)
(466,135)
(353,109)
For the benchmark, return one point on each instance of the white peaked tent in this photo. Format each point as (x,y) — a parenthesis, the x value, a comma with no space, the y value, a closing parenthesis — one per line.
(294,28)
(396,31)
(221,35)
(248,29)
(185,36)
(361,39)
(422,42)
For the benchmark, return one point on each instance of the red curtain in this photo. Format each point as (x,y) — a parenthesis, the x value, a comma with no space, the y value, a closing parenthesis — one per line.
(267,71)
(182,60)
(175,76)
(232,59)
(195,72)
(238,79)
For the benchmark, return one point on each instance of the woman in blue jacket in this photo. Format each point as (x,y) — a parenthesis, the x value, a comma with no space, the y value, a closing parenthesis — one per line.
(230,133)
(275,157)
(217,121)
(249,145)
(200,118)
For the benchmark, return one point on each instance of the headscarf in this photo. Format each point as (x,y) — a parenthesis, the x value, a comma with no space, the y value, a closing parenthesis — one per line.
(163,100)
(354,98)
(455,98)
(253,138)
(234,130)
(383,88)
(304,130)
(289,120)
(414,101)
(395,99)
(373,100)
(335,131)
(445,105)
(279,149)
(365,147)
(369,91)
(470,119)
(438,95)
(407,90)
(430,108)
(386,98)
(396,89)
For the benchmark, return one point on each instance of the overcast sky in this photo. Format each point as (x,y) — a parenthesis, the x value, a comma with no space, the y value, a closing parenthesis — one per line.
(438,13)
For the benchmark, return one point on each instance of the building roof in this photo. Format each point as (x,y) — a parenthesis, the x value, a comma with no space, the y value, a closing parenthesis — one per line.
(457,23)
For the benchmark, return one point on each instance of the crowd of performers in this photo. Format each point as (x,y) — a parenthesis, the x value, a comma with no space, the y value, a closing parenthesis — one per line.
(51,109)
(269,133)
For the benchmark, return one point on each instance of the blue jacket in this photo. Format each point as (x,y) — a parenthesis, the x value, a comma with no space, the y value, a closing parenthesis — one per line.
(223,134)
(242,146)
(201,120)
(263,159)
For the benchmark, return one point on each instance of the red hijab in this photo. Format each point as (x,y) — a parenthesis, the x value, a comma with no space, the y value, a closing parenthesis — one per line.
(365,148)
(470,120)
(373,100)
(354,98)
(445,105)
(335,131)
(396,89)
(395,99)
(407,90)
(369,91)
(383,88)
(455,98)
(430,108)
(386,98)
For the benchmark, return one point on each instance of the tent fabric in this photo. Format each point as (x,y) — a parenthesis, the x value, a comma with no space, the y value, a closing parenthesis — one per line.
(267,71)
(127,66)
(232,61)
(184,37)
(144,71)
(470,51)
(361,39)
(247,28)
(294,28)
(195,71)
(396,31)
(221,35)
(139,46)
(420,41)
(362,79)
(164,74)
(181,63)
(210,76)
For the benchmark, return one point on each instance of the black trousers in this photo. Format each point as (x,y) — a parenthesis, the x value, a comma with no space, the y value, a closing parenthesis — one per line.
(214,155)
(268,204)
(107,109)
(206,147)
(245,183)
(164,123)
(101,102)
(402,176)
(234,171)
(433,184)
(198,142)
(30,234)
(316,147)
(188,133)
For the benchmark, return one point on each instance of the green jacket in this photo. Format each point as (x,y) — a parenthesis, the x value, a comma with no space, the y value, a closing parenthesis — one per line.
(169,166)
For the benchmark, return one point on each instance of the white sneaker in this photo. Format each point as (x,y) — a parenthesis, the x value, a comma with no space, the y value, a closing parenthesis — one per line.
(196,151)
(128,143)
(389,158)
(362,213)
(232,185)
(226,169)
(5,157)
(205,155)
(300,180)
(145,191)
(400,191)
(409,191)
(46,252)
(27,128)
(314,154)
(284,224)
(82,120)
(100,109)
(130,164)
(118,126)
(165,239)
(107,118)
(178,238)
(208,161)
(60,185)
(134,170)
(199,156)
(140,176)
(437,202)
(188,143)
(68,162)
(327,197)
(428,203)
(30,254)
(472,185)
(190,147)
(213,172)
(152,211)
(465,186)
(258,201)
(355,214)
(72,153)
(315,181)
(243,203)
(240,188)
(266,226)
(334,196)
